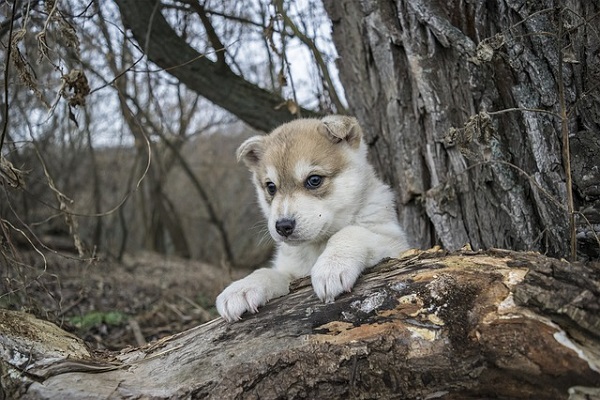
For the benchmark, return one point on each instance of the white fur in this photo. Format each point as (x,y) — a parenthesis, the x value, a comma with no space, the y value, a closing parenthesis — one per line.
(336,236)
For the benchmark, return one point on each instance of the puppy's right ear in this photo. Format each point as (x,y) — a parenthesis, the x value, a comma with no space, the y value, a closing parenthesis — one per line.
(251,151)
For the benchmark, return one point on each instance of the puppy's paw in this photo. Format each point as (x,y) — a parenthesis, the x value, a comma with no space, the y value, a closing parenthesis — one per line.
(237,298)
(331,276)
(250,293)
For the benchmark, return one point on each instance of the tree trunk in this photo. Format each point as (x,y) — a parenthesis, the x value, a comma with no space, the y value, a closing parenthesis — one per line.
(433,82)
(430,325)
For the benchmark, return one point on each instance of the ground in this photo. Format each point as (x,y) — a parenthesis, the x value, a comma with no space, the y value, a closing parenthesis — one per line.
(111,304)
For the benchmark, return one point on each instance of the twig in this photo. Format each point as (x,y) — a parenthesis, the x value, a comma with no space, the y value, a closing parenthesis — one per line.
(6,74)
(205,314)
(286,63)
(137,332)
(316,54)
(591,226)
(30,242)
(565,142)
(523,109)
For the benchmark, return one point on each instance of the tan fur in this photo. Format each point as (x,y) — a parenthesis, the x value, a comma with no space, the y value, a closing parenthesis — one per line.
(287,147)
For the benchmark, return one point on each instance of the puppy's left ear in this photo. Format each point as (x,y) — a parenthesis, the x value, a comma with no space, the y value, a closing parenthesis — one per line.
(341,127)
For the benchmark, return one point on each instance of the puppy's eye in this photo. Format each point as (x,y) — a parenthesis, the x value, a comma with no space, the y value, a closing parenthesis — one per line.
(313,182)
(271,188)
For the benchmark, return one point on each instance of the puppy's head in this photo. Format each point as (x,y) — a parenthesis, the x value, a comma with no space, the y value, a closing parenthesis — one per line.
(307,175)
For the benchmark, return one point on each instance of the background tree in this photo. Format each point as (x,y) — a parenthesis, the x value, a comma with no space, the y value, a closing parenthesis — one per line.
(128,135)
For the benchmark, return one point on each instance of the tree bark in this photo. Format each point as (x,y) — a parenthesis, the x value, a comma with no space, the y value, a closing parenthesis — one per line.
(257,107)
(432,81)
(428,325)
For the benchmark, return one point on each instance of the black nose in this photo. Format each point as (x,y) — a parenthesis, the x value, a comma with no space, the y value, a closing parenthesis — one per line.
(285,226)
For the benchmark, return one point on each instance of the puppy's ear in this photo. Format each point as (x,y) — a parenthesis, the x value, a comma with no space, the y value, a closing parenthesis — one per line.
(251,151)
(341,127)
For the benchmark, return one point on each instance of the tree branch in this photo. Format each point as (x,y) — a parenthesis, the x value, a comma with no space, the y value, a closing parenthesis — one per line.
(257,107)
(214,39)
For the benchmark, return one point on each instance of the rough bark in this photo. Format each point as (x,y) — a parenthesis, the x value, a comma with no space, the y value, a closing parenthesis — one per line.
(257,107)
(414,70)
(429,325)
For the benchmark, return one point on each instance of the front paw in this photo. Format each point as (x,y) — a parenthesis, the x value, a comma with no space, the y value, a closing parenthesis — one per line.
(238,298)
(250,293)
(331,276)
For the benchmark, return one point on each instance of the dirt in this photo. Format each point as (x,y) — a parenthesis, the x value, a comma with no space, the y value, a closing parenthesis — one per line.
(110,304)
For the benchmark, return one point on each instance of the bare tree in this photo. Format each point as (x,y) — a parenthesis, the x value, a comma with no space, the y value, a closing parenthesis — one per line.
(127,209)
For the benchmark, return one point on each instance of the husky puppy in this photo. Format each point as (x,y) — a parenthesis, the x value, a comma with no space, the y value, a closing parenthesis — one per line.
(328,212)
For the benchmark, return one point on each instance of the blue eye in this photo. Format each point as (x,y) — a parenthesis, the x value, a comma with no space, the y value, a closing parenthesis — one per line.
(313,182)
(271,188)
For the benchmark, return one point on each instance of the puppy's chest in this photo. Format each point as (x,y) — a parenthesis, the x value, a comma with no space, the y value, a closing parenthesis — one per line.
(301,258)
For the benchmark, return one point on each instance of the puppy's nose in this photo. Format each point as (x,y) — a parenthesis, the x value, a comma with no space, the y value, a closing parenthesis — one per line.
(285,226)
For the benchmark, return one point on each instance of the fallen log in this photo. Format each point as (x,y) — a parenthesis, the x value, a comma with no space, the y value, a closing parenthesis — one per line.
(428,325)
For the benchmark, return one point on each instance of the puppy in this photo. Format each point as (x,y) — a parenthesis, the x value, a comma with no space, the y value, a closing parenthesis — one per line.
(329,214)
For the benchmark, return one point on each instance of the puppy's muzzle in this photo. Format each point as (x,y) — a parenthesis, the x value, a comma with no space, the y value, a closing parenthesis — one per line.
(285,226)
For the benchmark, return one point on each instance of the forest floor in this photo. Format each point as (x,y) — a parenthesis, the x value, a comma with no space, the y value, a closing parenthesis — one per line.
(113,305)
